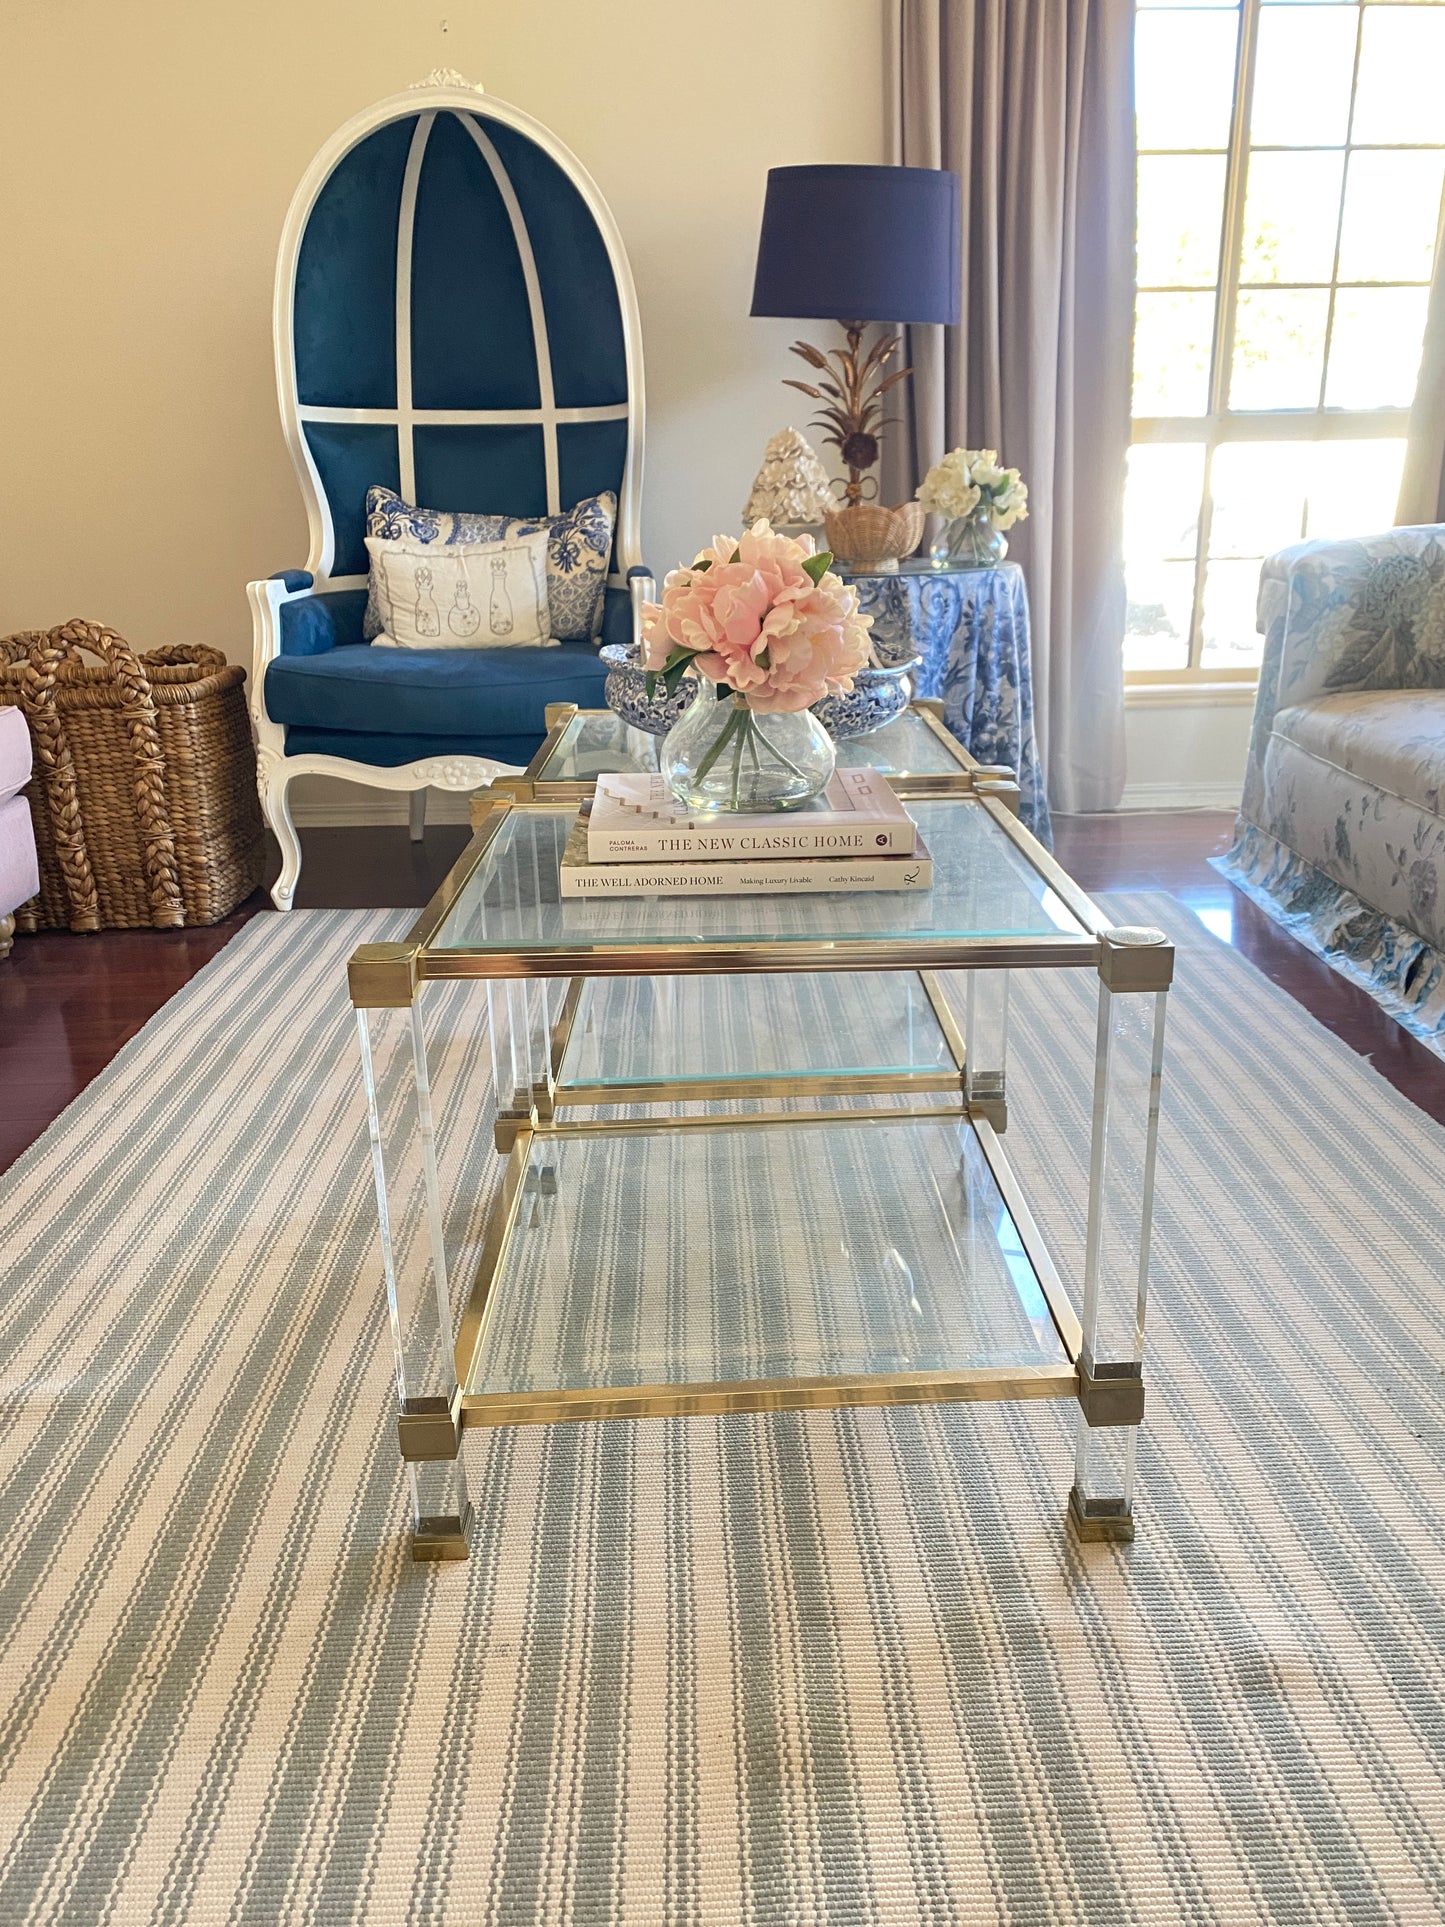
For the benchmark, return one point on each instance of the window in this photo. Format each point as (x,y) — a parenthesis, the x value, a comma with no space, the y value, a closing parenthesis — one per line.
(1291,155)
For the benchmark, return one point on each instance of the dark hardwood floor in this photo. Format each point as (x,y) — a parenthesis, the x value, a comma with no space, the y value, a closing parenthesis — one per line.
(68,1003)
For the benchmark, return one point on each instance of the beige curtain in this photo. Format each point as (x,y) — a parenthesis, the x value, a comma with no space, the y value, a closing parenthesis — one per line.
(1422,483)
(1031,102)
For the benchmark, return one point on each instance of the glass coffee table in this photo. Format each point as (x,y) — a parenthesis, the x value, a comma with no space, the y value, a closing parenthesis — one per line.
(754,1154)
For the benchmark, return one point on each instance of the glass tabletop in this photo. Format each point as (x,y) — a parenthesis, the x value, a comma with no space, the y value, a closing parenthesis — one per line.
(835,1250)
(637,1031)
(983,888)
(597,743)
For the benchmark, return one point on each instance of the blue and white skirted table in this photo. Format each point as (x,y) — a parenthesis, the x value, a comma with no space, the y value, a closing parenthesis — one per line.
(971,627)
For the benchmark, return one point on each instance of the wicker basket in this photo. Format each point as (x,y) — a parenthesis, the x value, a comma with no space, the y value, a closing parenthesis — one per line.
(144,793)
(867,533)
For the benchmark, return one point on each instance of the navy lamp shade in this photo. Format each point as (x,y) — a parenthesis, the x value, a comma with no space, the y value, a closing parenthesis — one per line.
(844,243)
(857,245)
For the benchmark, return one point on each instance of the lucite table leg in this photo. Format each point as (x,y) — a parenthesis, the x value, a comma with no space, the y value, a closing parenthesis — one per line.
(1135,970)
(985,1033)
(518,1010)
(413,1256)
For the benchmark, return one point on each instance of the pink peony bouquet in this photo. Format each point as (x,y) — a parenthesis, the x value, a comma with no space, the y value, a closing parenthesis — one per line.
(761,616)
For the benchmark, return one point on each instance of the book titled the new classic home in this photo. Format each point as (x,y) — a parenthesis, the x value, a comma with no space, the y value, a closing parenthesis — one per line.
(857,814)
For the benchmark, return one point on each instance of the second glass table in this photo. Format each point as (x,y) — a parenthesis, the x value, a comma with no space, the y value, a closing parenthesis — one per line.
(915,752)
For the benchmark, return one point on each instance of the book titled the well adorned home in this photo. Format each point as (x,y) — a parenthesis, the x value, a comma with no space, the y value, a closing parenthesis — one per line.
(856,815)
(746,876)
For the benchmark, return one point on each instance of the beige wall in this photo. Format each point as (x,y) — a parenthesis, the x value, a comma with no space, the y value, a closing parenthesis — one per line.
(1186,749)
(151,147)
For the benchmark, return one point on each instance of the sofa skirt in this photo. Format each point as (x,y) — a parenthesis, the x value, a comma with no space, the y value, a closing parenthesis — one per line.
(1402,971)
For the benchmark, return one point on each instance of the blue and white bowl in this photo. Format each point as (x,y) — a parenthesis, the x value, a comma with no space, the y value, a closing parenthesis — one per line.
(626,692)
(876,698)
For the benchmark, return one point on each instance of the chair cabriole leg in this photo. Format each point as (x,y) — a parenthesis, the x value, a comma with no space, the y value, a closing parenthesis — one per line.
(272,784)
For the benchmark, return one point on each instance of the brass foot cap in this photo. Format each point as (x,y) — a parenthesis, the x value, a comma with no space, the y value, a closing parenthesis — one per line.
(443,1536)
(1116,1528)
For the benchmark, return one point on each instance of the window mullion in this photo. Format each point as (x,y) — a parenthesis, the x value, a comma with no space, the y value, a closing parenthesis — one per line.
(1230,248)
(1340,214)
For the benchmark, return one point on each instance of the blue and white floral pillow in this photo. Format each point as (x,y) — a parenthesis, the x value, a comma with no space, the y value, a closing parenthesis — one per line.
(579,548)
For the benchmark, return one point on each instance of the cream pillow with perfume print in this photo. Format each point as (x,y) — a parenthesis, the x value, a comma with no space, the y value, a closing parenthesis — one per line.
(460,595)
(579,551)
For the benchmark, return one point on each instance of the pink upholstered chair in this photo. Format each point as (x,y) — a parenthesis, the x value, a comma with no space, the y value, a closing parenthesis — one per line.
(19,875)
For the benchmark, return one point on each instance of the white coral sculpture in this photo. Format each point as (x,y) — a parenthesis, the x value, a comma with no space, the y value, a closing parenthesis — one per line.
(791,488)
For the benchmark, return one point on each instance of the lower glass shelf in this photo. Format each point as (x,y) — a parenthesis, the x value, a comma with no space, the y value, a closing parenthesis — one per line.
(623,1034)
(702,1265)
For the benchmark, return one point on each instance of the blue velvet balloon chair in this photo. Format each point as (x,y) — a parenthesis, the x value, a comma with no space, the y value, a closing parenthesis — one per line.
(454,317)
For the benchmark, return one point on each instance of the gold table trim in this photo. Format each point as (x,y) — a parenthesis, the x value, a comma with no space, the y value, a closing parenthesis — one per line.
(984,1384)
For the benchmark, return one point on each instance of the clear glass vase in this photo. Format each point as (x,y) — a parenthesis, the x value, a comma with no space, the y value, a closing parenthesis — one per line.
(971,542)
(721,756)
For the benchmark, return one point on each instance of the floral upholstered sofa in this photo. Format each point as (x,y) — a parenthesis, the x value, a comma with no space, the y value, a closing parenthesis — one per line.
(1341,835)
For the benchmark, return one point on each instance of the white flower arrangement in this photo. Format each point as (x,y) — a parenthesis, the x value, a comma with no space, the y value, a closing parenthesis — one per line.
(967,477)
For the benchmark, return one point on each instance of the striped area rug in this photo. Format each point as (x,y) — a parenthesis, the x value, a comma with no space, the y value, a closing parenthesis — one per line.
(841,1667)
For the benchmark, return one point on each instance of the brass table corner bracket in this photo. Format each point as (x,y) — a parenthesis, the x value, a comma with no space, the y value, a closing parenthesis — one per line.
(543,1101)
(383,976)
(430,1428)
(500,794)
(1003,789)
(442,1536)
(1135,959)
(1093,1525)
(993,1110)
(555,715)
(501,789)
(506,1128)
(1111,1394)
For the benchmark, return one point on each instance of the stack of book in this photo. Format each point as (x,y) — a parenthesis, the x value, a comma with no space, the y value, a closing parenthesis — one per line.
(636,839)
